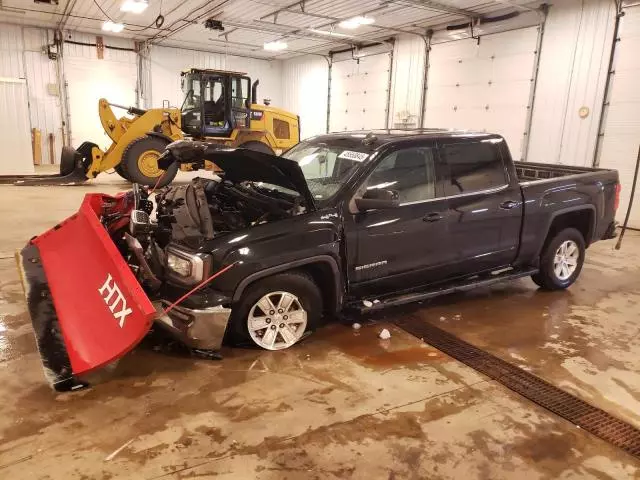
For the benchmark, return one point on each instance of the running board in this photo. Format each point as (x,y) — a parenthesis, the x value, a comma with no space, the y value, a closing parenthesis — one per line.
(371,305)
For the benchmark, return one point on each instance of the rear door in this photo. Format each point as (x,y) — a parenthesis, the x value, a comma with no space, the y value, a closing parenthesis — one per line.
(406,246)
(484,203)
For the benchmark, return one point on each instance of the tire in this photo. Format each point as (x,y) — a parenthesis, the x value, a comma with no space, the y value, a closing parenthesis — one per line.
(552,275)
(139,155)
(257,147)
(120,171)
(307,299)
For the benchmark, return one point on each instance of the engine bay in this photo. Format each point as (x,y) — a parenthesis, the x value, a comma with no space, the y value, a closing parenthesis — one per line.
(208,208)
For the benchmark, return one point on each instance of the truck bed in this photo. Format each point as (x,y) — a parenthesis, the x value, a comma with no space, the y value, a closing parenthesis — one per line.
(531,172)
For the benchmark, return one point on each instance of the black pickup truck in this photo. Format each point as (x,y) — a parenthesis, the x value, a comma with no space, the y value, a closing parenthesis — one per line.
(372,220)
(347,220)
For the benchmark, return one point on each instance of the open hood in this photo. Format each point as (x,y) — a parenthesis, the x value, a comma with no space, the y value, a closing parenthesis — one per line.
(248,165)
(240,165)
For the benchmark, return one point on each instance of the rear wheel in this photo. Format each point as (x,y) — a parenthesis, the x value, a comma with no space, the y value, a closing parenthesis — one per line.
(275,312)
(561,260)
(140,162)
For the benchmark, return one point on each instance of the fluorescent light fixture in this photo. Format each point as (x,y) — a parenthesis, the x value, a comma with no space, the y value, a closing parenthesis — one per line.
(134,6)
(109,26)
(355,22)
(330,33)
(275,46)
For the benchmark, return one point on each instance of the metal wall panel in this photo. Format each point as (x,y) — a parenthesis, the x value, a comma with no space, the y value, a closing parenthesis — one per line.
(304,90)
(14,128)
(407,81)
(113,77)
(483,85)
(11,48)
(44,93)
(573,73)
(359,93)
(621,138)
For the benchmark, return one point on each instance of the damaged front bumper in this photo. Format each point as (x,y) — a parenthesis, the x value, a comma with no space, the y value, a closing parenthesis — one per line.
(200,329)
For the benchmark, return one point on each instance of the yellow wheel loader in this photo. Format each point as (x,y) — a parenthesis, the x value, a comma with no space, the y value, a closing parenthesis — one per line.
(219,107)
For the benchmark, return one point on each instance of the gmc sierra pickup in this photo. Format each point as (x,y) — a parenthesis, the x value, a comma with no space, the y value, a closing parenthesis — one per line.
(336,222)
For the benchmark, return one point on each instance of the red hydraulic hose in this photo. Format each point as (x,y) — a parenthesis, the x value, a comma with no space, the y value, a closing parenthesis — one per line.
(198,287)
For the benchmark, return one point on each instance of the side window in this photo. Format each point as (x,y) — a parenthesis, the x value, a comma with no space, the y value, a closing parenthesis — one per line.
(410,172)
(472,167)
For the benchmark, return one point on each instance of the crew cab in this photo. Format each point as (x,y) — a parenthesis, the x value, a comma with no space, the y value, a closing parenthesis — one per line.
(387,216)
(359,220)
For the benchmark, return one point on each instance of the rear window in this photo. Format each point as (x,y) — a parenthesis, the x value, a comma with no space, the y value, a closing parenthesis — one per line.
(473,167)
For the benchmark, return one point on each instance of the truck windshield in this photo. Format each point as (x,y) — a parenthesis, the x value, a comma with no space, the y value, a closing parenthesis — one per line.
(325,168)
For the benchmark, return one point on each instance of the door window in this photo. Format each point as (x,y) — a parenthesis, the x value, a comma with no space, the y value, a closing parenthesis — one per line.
(473,167)
(410,172)
(239,91)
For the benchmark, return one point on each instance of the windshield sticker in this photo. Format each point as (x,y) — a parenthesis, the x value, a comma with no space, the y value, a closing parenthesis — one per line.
(355,156)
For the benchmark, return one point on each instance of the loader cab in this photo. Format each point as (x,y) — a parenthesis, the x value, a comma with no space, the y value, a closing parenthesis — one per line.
(216,102)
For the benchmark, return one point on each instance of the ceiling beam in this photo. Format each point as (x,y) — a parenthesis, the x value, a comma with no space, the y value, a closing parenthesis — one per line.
(437,7)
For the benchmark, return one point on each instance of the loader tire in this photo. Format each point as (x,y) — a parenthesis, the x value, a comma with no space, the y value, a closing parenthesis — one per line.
(119,170)
(139,162)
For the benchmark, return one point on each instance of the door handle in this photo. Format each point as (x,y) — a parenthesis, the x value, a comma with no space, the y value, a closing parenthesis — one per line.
(509,204)
(432,217)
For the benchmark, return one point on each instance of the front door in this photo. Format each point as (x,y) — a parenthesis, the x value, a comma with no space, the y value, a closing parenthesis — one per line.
(403,247)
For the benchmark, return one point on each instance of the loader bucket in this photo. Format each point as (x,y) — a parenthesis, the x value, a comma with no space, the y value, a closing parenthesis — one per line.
(86,306)
(73,171)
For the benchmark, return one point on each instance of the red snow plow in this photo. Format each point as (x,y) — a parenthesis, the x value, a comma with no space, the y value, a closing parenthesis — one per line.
(86,306)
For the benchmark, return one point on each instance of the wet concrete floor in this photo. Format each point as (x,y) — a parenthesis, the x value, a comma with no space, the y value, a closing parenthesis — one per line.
(343,404)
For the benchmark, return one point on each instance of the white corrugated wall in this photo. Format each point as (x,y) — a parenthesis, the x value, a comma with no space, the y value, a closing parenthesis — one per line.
(22,56)
(89,78)
(45,101)
(572,76)
(620,138)
(304,90)
(407,81)
(166,63)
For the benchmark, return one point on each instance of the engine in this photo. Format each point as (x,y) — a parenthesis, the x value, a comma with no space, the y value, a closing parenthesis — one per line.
(204,209)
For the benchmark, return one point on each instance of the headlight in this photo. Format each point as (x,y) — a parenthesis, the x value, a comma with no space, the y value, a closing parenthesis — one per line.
(187,268)
(179,265)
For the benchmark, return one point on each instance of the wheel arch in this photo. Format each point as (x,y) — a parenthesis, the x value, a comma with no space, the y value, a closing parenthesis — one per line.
(580,217)
(323,269)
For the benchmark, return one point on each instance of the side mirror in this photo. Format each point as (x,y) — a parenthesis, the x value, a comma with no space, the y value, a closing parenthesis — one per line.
(377,198)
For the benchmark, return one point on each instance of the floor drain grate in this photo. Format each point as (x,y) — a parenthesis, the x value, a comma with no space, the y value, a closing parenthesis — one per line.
(590,418)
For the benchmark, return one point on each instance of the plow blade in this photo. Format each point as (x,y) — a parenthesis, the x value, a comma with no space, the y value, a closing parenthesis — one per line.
(86,306)
(73,171)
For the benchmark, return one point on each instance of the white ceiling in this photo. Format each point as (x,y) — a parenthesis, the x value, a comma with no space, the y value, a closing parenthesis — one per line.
(250,23)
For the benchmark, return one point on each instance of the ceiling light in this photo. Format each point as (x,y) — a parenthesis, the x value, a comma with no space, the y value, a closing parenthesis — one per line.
(355,22)
(330,33)
(134,6)
(275,46)
(109,26)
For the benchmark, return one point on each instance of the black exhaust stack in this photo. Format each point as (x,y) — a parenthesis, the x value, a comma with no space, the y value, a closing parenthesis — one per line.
(254,92)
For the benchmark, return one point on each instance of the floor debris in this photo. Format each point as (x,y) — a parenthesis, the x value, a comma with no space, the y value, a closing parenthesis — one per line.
(116,452)
(385,334)
(356,326)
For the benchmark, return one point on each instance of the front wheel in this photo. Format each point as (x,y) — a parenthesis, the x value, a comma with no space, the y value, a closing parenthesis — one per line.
(140,162)
(561,260)
(274,313)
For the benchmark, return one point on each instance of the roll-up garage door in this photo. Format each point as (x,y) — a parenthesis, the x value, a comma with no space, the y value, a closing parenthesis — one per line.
(359,93)
(89,80)
(621,135)
(483,85)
